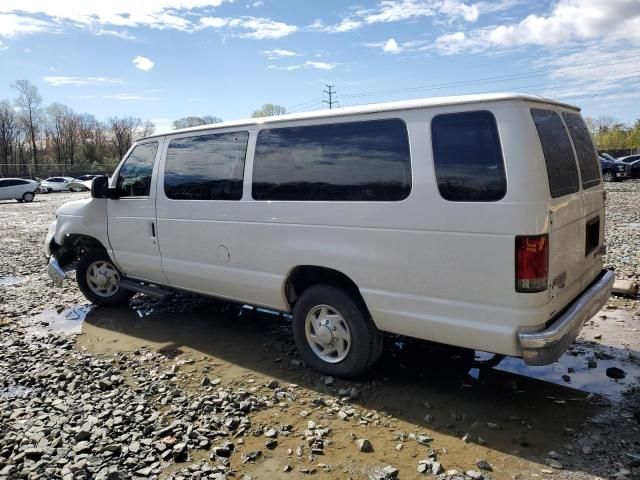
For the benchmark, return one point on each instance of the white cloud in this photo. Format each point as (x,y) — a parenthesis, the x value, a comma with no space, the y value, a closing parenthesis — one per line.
(259,3)
(60,81)
(109,17)
(391,46)
(114,33)
(568,21)
(257,28)
(308,65)
(279,53)
(143,63)
(14,25)
(407,10)
(130,97)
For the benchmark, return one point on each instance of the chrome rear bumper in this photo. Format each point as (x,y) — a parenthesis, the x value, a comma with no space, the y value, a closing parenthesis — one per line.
(546,346)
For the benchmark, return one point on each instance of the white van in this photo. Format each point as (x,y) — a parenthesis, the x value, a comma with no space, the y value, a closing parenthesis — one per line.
(475,221)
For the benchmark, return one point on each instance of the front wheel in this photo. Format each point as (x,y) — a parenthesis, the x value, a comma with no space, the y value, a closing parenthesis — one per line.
(28,197)
(609,176)
(98,280)
(334,333)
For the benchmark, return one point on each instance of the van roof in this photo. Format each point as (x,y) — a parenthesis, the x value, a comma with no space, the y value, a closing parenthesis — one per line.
(372,108)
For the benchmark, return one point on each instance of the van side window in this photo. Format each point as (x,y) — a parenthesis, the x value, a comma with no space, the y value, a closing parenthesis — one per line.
(558,154)
(206,167)
(354,161)
(134,177)
(587,157)
(467,157)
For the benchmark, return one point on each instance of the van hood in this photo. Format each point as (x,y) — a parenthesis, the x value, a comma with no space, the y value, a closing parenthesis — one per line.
(78,208)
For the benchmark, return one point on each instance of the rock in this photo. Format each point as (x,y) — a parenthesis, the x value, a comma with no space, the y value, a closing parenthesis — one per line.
(474,474)
(389,472)
(273,384)
(625,288)
(428,418)
(436,468)
(587,449)
(493,426)
(364,445)
(82,447)
(33,453)
(484,465)
(271,443)
(424,439)
(328,380)
(223,451)
(553,463)
(271,433)
(615,373)
(179,452)
(286,468)
(466,438)
(206,381)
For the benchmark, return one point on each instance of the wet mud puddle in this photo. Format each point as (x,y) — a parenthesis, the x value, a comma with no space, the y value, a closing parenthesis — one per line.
(10,280)
(69,321)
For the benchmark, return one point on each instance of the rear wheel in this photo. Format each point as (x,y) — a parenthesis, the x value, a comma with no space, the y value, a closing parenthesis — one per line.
(98,279)
(333,332)
(609,176)
(28,197)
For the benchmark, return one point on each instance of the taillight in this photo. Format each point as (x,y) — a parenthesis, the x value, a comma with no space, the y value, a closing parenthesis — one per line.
(532,263)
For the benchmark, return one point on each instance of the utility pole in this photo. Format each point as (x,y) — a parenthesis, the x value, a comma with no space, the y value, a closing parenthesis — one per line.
(331,102)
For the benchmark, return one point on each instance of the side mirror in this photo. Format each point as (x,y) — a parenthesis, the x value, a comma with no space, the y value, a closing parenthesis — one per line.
(100,187)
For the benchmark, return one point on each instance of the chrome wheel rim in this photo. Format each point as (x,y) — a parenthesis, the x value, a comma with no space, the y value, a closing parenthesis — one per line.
(328,334)
(103,278)
(28,197)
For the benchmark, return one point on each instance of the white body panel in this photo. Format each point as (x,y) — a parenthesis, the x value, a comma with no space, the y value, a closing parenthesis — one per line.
(426,267)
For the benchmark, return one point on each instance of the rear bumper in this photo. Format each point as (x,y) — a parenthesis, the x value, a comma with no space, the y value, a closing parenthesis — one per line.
(546,346)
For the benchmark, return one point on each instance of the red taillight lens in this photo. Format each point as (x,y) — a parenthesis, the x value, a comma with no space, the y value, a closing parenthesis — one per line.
(532,263)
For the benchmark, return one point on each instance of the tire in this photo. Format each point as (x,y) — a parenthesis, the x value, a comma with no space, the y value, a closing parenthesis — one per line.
(608,176)
(28,197)
(108,295)
(347,318)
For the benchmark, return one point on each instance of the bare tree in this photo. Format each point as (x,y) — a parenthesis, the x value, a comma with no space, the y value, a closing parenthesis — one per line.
(269,110)
(8,131)
(29,101)
(123,130)
(187,122)
(63,128)
(148,128)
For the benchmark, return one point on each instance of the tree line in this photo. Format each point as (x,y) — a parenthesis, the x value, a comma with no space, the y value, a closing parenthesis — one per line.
(34,136)
(610,135)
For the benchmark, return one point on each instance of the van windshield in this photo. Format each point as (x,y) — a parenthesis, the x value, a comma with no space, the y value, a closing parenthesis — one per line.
(562,170)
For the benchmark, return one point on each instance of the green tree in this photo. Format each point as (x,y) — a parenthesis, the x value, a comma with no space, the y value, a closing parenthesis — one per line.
(269,110)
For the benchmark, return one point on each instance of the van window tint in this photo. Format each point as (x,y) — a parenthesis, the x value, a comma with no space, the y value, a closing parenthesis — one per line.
(467,157)
(558,154)
(206,167)
(587,157)
(356,161)
(134,178)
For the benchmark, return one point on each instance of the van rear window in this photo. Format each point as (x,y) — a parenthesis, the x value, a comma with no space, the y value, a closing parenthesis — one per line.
(467,157)
(558,154)
(587,157)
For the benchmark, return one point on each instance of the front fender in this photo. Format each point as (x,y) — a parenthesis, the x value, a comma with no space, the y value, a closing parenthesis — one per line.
(83,217)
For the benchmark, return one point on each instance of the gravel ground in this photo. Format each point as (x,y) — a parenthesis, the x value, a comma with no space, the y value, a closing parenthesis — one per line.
(194,388)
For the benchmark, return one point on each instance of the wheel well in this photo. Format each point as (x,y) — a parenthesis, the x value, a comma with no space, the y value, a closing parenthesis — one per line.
(305,276)
(74,246)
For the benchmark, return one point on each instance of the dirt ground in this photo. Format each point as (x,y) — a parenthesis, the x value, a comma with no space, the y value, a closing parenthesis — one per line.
(566,420)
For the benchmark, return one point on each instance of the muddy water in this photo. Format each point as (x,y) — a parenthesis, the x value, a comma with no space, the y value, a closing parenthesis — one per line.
(9,280)
(533,407)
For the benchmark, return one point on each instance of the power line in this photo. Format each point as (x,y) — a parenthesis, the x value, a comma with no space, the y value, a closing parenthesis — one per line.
(330,92)
(303,104)
(499,78)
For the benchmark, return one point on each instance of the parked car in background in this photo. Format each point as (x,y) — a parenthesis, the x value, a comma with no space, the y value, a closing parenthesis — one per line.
(358,221)
(634,164)
(82,183)
(20,189)
(608,157)
(614,171)
(55,184)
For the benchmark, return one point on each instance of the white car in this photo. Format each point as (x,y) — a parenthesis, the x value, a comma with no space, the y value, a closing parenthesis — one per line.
(55,184)
(82,183)
(20,189)
(474,221)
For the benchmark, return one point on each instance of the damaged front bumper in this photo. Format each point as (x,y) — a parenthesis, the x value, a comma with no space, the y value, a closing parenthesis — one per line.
(55,271)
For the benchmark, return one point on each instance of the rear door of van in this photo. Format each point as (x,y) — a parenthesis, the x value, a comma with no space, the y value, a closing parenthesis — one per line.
(576,203)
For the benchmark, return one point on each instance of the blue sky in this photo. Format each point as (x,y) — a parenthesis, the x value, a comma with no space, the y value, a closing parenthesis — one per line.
(165,59)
